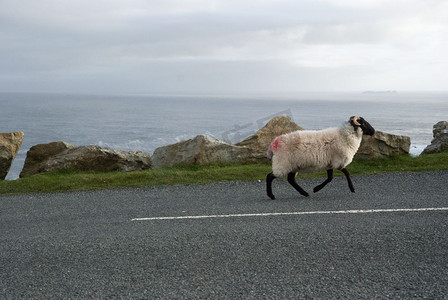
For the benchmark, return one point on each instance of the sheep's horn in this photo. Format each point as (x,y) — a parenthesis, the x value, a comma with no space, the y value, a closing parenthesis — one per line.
(354,119)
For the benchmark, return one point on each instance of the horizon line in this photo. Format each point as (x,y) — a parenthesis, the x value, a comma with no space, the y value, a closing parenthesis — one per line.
(234,94)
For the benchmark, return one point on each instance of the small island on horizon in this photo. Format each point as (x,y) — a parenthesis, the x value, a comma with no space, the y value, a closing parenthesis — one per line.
(381,92)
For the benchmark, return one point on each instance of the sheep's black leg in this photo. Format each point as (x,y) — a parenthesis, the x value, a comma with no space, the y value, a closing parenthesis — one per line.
(269,178)
(329,178)
(350,183)
(292,181)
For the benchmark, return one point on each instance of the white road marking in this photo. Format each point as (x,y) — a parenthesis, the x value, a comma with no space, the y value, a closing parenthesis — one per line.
(322,212)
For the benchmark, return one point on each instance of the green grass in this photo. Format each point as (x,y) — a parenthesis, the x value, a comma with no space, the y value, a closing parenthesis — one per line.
(71,180)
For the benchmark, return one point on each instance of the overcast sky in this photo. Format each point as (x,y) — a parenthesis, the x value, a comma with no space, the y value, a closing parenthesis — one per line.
(222,47)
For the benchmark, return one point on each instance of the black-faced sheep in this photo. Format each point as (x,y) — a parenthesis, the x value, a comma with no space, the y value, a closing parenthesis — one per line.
(307,151)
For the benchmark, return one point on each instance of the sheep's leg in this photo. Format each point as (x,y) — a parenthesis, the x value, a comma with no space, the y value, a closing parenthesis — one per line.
(350,183)
(329,178)
(292,181)
(269,178)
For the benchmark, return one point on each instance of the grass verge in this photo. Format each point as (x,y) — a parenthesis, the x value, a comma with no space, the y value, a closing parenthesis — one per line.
(71,180)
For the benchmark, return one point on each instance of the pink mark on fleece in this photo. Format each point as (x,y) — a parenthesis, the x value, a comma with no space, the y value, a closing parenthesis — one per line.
(275,144)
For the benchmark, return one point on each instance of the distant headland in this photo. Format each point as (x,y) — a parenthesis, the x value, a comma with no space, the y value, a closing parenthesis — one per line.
(381,92)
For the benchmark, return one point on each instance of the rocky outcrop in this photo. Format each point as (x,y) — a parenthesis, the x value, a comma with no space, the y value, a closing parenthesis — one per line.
(9,146)
(59,155)
(260,141)
(383,144)
(202,150)
(439,142)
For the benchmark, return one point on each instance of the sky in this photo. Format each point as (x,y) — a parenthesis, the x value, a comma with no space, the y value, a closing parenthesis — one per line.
(222,47)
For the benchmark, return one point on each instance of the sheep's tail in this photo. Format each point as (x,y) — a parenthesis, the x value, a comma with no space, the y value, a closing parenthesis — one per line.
(273,147)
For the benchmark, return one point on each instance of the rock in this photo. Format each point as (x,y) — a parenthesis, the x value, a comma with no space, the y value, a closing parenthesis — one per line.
(383,144)
(202,150)
(260,141)
(59,155)
(9,146)
(439,142)
(38,155)
(96,158)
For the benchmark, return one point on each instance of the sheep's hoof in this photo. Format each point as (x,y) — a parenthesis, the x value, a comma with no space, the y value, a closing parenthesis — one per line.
(306,194)
(272,197)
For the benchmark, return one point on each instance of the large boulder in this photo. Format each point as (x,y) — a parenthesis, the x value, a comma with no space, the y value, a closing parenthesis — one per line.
(59,155)
(202,150)
(9,146)
(383,144)
(439,142)
(260,141)
(38,155)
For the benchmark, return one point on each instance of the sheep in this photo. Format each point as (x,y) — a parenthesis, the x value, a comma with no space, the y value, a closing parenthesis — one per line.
(308,151)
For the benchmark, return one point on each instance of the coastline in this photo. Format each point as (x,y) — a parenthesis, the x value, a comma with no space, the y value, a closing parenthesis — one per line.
(144,123)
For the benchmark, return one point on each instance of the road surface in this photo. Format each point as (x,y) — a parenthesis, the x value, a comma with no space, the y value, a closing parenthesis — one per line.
(388,240)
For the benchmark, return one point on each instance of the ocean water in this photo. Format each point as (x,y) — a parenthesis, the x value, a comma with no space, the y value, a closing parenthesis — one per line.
(147,122)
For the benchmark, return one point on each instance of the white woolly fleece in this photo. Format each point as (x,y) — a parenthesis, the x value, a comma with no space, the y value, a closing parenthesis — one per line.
(309,151)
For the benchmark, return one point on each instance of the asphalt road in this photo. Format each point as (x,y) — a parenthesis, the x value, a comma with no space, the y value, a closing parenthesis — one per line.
(82,245)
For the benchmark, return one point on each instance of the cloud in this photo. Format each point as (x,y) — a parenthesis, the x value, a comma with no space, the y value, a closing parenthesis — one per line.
(197,45)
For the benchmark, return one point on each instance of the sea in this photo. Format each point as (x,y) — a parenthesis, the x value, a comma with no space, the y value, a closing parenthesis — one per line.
(146,122)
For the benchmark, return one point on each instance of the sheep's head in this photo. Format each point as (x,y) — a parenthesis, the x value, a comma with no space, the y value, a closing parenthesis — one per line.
(359,122)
